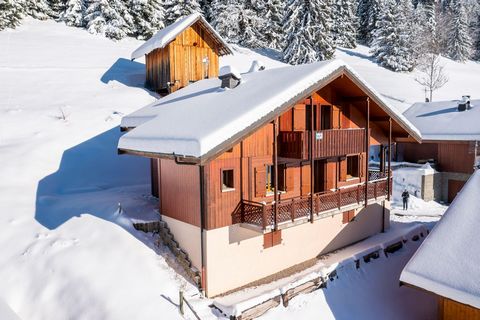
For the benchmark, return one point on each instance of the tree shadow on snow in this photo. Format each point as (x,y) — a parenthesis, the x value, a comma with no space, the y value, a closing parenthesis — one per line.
(91,179)
(127,72)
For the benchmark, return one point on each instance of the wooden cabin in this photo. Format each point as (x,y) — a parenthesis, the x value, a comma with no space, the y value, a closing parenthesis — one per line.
(446,264)
(450,142)
(257,178)
(183,52)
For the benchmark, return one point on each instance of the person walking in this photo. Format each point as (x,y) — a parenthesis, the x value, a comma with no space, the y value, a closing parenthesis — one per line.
(405,196)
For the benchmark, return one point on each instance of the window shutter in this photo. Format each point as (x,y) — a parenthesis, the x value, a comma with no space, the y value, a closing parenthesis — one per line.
(260,181)
(305,180)
(299,117)
(343,169)
(282,172)
(290,179)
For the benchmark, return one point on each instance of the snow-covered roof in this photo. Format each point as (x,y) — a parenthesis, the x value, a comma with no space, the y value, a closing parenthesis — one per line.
(170,32)
(447,263)
(200,119)
(441,120)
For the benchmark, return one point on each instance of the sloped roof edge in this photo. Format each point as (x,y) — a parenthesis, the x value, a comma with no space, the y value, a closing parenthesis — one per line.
(166,35)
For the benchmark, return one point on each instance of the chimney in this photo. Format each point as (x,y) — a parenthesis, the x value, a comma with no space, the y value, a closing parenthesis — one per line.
(230,77)
(256,66)
(464,104)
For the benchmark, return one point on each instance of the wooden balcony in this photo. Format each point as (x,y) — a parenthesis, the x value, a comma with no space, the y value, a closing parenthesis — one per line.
(263,215)
(327,143)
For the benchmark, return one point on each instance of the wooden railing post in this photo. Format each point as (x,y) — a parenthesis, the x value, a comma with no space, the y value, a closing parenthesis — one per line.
(242,212)
(375,189)
(264,216)
(294,208)
(339,198)
(358,194)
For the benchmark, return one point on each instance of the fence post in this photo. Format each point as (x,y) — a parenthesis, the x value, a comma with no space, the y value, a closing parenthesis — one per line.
(358,194)
(294,207)
(264,216)
(375,189)
(180,303)
(242,214)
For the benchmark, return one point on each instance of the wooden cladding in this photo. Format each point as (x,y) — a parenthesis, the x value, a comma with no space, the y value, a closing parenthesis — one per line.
(192,56)
(452,310)
(327,143)
(348,216)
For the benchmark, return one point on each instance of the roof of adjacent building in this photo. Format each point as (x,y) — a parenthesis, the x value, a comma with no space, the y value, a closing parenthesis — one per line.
(447,263)
(441,120)
(203,118)
(166,35)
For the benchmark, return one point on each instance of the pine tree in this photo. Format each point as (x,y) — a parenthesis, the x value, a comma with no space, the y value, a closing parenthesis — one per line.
(225,16)
(272,28)
(476,42)
(368,12)
(58,8)
(392,45)
(38,9)
(458,40)
(11,13)
(110,18)
(75,13)
(426,37)
(307,25)
(176,9)
(148,17)
(344,26)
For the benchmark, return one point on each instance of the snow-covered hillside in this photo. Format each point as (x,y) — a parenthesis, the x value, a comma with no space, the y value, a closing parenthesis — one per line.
(66,250)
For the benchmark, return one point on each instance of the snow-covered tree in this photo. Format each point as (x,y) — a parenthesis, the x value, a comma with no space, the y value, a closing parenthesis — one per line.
(148,17)
(225,16)
(426,35)
(272,27)
(458,40)
(344,26)
(109,17)
(75,13)
(58,8)
(392,44)
(476,39)
(307,24)
(367,13)
(11,13)
(176,9)
(38,9)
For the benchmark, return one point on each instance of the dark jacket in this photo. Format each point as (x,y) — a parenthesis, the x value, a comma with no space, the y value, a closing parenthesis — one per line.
(405,195)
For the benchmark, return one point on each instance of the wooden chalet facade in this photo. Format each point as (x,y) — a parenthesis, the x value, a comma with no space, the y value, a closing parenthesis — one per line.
(450,143)
(291,185)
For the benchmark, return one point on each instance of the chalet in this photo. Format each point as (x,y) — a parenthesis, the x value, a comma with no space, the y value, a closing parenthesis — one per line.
(446,264)
(450,141)
(259,172)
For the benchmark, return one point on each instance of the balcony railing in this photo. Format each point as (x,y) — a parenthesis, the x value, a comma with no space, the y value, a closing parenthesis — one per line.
(327,143)
(263,215)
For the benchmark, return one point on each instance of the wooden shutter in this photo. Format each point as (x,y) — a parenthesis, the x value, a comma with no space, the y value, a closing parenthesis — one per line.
(282,172)
(299,117)
(305,180)
(290,179)
(260,181)
(336,117)
(343,169)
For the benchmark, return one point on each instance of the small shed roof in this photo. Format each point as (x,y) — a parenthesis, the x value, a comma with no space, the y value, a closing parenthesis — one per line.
(202,119)
(166,35)
(442,121)
(448,261)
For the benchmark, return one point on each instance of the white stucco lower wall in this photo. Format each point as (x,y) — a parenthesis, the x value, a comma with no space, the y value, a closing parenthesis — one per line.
(188,237)
(235,255)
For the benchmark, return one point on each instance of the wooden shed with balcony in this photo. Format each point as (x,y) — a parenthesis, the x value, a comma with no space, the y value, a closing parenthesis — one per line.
(280,158)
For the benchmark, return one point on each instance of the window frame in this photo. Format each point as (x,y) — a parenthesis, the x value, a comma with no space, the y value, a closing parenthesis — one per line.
(227,189)
(348,175)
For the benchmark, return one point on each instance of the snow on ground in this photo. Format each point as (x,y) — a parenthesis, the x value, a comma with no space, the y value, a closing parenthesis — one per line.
(66,250)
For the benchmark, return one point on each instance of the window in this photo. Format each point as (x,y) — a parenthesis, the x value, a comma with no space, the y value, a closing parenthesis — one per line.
(227,180)
(270,178)
(352,167)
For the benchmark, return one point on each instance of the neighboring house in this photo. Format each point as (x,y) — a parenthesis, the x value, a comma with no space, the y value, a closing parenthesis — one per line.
(450,141)
(259,172)
(447,263)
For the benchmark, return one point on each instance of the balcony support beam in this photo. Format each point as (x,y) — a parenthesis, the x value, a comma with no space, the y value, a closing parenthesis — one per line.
(367,150)
(389,173)
(275,173)
(311,153)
